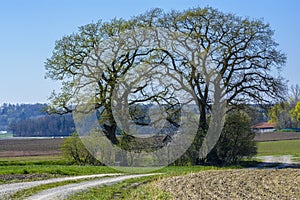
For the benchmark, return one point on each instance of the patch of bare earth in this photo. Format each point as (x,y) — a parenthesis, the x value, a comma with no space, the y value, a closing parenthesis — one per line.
(20,177)
(234,184)
(277,136)
(30,147)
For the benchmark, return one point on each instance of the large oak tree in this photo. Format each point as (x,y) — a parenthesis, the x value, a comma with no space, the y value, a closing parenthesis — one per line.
(210,49)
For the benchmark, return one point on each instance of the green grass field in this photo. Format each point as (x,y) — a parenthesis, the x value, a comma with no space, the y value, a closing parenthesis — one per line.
(57,164)
(284,147)
(55,169)
(32,160)
(58,167)
(7,135)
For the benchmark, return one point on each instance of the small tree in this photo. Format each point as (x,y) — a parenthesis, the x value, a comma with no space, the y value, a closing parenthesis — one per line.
(236,141)
(75,151)
(295,113)
(294,95)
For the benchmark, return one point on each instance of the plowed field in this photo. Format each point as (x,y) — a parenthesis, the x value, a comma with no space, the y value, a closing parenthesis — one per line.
(234,184)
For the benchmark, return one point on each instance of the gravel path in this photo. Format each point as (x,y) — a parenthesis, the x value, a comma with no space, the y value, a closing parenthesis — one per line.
(277,162)
(62,192)
(7,189)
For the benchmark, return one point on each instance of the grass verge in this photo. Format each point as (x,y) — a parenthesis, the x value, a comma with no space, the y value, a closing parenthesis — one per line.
(148,191)
(122,190)
(140,188)
(56,169)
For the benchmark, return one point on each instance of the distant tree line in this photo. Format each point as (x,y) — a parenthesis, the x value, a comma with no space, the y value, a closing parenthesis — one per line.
(46,126)
(12,113)
(31,120)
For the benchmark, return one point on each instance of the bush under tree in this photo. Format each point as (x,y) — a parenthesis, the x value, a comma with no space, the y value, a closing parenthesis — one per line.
(235,142)
(75,151)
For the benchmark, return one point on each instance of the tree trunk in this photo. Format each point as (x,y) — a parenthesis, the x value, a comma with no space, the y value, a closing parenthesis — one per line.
(110,132)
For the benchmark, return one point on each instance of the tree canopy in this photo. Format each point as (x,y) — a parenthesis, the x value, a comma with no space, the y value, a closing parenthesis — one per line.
(214,57)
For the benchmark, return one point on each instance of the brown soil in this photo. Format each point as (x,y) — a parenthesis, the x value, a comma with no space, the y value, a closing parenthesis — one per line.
(23,177)
(29,147)
(276,136)
(234,184)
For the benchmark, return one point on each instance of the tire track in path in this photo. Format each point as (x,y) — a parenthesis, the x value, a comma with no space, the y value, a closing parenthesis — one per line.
(63,192)
(8,189)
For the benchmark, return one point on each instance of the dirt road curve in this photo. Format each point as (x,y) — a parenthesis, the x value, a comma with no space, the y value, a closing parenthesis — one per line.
(8,189)
(63,191)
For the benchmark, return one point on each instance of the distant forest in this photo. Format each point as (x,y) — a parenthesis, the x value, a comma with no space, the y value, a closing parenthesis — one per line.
(30,120)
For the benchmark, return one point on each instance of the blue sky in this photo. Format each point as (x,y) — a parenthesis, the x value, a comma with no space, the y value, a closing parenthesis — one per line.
(29,29)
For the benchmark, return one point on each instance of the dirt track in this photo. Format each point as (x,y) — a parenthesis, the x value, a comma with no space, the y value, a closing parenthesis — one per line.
(64,191)
(61,192)
(7,189)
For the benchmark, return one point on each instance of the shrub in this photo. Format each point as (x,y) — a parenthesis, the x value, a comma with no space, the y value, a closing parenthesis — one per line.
(74,150)
(235,142)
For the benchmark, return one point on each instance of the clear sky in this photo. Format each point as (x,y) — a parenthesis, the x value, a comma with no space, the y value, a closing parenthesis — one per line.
(29,29)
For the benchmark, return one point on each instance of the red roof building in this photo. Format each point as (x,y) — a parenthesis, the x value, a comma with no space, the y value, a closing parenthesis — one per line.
(263,127)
